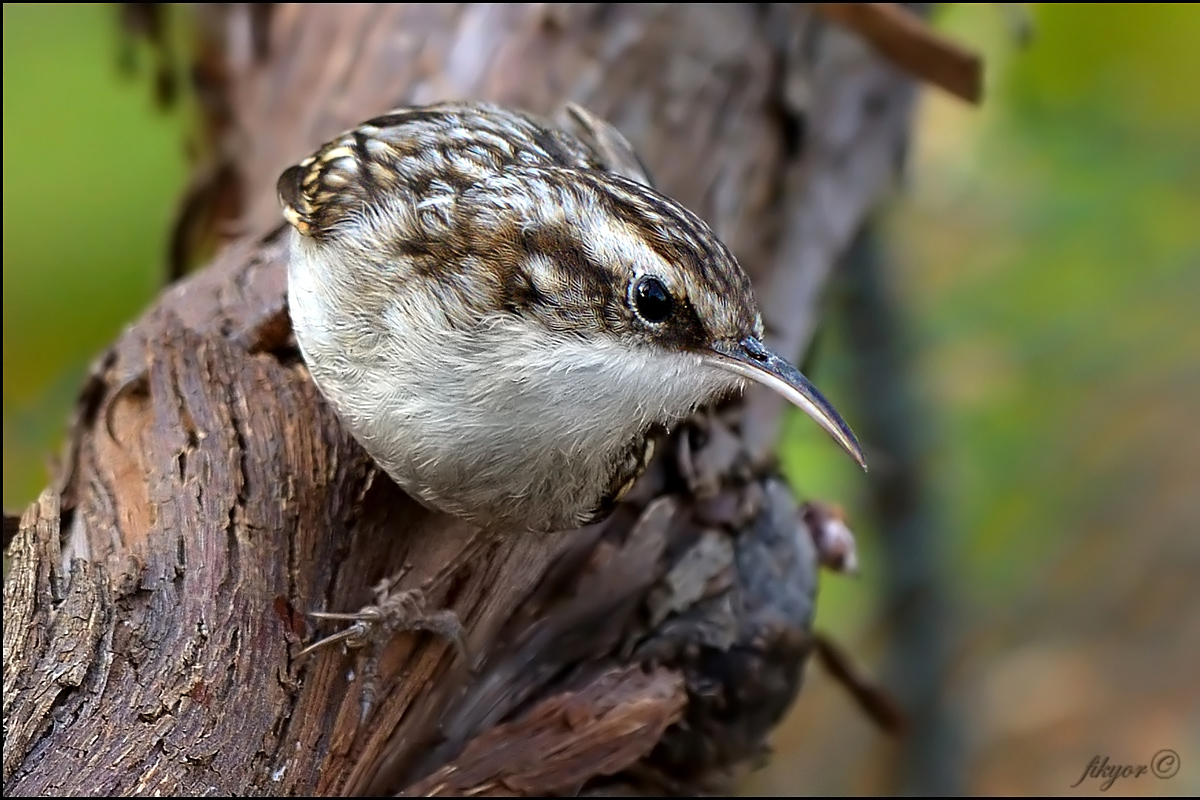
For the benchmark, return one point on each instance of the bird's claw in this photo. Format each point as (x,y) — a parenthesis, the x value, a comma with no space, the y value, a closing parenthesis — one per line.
(373,626)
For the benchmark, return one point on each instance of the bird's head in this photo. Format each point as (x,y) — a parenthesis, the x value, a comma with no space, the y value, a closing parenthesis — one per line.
(606,257)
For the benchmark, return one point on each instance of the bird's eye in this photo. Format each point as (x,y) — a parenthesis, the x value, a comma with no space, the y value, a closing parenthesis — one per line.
(651,300)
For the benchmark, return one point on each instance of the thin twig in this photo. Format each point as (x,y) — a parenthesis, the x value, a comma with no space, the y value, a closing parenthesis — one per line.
(903,37)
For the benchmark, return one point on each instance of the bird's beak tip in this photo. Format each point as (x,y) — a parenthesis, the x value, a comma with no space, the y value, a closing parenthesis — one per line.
(750,359)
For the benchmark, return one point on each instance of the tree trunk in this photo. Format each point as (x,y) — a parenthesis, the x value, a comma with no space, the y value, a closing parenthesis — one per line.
(209,497)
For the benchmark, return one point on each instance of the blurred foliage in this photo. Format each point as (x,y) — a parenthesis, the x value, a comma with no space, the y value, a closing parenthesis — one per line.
(1046,250)
(92,173)
(1047,253)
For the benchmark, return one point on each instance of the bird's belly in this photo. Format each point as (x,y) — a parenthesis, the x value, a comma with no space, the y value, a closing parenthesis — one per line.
(499,451)
(504,474)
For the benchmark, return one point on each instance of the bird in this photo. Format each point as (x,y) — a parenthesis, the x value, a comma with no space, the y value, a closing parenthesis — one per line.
(507,315)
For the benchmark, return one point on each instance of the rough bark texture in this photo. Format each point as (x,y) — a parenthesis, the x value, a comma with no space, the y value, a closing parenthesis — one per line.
(209,497)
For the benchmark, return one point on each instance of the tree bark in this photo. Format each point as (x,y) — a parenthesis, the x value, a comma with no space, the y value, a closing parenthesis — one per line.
(209,498)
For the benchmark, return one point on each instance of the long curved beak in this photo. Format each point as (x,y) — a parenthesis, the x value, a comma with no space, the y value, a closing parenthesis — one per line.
(750,359)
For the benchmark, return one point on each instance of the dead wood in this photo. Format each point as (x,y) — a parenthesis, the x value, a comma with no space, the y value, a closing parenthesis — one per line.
(209,497)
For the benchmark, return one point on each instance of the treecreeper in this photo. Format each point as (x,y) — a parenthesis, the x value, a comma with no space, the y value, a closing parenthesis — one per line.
(506,314)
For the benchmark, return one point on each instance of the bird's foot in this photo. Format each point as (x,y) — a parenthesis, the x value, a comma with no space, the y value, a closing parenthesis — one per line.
(373,626)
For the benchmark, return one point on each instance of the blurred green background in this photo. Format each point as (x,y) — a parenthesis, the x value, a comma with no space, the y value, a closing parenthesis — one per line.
(91,178)
(1044,259)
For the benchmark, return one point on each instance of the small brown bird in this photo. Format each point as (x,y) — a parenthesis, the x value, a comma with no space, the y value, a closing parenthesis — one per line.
(505,313)
(503,320)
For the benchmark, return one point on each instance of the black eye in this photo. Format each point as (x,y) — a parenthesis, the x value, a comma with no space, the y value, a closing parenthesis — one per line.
(651,300)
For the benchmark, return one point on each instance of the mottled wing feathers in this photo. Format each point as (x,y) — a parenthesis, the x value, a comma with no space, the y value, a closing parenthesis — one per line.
(613,150)
(450,143)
